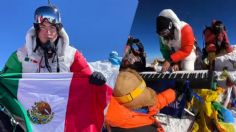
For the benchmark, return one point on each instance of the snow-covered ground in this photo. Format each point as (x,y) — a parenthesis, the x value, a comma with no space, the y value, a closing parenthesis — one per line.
(169,123)
(228,61)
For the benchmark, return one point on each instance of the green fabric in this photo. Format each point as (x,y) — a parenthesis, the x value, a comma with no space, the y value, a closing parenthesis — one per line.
(165,50)
(9,81)
(218,107)
(8,97)
(13,64)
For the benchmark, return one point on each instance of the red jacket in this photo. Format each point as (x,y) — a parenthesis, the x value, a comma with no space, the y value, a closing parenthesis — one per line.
(187,44)
(211,39)
(80,64)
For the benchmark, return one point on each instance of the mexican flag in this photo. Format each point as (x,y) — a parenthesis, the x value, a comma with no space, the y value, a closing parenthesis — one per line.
(54,102)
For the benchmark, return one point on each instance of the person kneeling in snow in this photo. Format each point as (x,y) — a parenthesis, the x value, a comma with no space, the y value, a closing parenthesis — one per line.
(177,42)
(133,104)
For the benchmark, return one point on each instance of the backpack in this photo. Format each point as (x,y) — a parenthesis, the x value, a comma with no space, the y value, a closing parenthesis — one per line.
(134,57)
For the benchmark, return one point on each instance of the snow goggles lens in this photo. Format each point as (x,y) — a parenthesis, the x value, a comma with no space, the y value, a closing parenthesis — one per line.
(51,14)
(165,33)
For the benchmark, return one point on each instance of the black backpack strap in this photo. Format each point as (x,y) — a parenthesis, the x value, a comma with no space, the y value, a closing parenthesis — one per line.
(204,53)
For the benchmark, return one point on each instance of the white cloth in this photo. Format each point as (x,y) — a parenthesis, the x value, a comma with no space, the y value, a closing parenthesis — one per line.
(187,64)
(33,62)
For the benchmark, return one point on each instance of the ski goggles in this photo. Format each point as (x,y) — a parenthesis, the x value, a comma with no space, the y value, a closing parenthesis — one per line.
(219,27)
(49,13)
(164,33)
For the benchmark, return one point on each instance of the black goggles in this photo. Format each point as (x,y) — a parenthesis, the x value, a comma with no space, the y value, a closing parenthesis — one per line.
(219,27)
(164,33)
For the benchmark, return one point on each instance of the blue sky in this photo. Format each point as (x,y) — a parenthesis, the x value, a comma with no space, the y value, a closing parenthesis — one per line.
(95,27)
(197,13)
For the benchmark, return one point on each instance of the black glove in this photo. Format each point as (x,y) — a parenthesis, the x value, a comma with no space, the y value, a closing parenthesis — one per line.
(97,78)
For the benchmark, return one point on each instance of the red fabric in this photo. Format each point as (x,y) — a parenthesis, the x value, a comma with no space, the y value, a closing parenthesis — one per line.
(229,82)
(86,103)
(210,38)
(187,42)
(80,64)
(211,48)
(229,49)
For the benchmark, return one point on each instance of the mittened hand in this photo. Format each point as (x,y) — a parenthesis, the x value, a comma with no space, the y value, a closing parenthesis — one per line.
(97,78)
(229,49)
(175,67)
(211,48)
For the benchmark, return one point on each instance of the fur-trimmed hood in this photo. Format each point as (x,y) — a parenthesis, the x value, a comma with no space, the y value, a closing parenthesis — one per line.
(31,41)
(177,23)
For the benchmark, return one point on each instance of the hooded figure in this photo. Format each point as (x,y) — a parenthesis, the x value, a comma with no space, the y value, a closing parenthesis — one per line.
(216,39)
(46,48)
(133,104)
(176,41)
